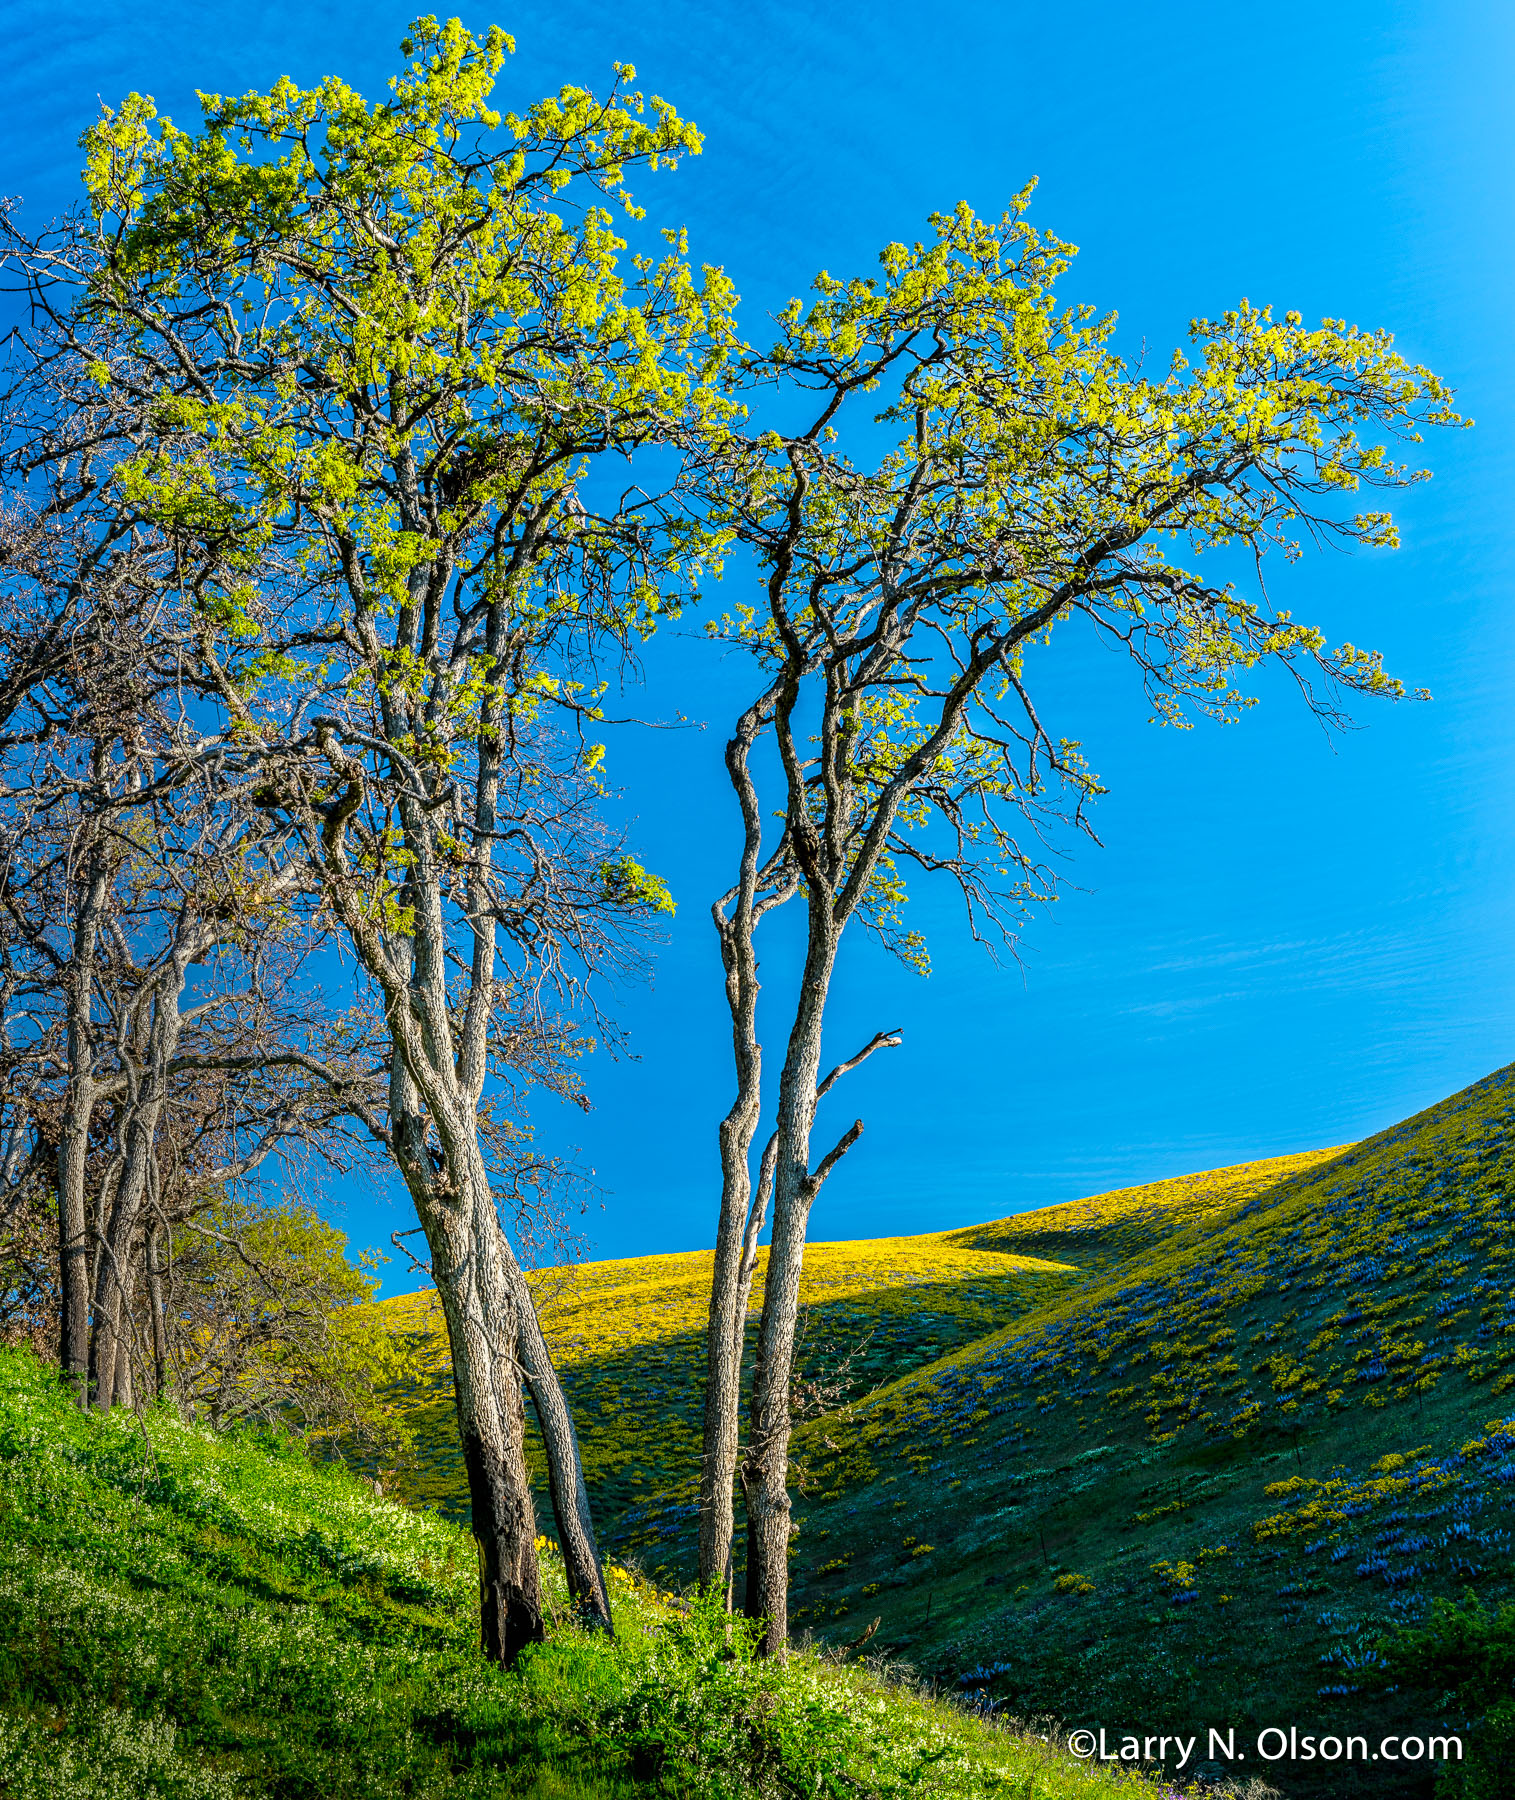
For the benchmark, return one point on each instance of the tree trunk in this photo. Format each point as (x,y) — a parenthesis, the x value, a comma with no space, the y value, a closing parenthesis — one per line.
(723,1354)
(110,1361)
(156,1307)
(765,1469)
(73,1235)
(110,1341)
(565,1465)
(757,1213)
(115,1267)
(456,1210)
(724,1340)
(482,1328)
(73,1139)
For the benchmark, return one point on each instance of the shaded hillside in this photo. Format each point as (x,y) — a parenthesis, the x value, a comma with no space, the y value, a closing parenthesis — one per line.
(1096,1233)
(1185,1469)
(629,1339)
(1206,1482)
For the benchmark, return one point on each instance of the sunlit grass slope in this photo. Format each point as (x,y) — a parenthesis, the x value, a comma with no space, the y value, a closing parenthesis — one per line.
(1109,1228)
(628,1337)
(187,1617)
(1204,1483)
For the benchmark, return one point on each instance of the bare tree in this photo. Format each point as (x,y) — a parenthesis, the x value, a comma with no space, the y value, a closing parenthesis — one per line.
(172,962)
(148,931)
(1029,486)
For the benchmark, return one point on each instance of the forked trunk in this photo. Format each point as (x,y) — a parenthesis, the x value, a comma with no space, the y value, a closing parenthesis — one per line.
(730,1280)
(470,1264)
(115,1266)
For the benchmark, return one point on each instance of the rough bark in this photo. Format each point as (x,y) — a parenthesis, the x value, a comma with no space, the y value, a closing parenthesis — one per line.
(155,1302)
(481,1329)
(834,885)
(449,1186)
(73,1139)
(115,1262)
(765,1468)
(757,1214)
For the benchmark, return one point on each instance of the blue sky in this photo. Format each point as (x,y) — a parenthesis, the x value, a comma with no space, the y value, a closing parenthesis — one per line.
(1287,940)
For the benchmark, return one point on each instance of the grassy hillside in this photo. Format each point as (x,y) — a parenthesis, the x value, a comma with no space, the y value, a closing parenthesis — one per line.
(1098,1233)
(629,1339)
(1180,1454)
(191,1617)
(1202,1487)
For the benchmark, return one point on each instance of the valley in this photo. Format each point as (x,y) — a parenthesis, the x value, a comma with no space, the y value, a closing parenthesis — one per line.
(1179,1455)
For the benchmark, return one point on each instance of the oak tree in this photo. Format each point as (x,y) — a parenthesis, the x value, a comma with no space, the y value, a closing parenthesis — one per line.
(400,359)
(976,480)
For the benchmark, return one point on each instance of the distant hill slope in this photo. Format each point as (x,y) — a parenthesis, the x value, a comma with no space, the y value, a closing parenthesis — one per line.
(1224,1432)
(1109,1228)
(628,1335)
(629,1339)
(1212,1476)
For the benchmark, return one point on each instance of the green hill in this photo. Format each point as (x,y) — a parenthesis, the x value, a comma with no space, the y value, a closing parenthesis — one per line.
(1098,1233)
(629,1338)
(1180,1454)
(1202,1487)
(186,1616)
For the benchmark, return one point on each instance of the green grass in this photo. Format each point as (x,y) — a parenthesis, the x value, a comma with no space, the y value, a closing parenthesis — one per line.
(1109,1229)
(1204,1487)
(213,1618)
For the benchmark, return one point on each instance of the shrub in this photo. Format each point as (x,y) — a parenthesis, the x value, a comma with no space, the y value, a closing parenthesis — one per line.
(1465,1656)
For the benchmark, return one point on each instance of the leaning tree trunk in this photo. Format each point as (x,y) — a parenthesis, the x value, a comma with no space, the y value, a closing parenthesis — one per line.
(565,1464)
(492,1426)
(462,1233)
(495,1336)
